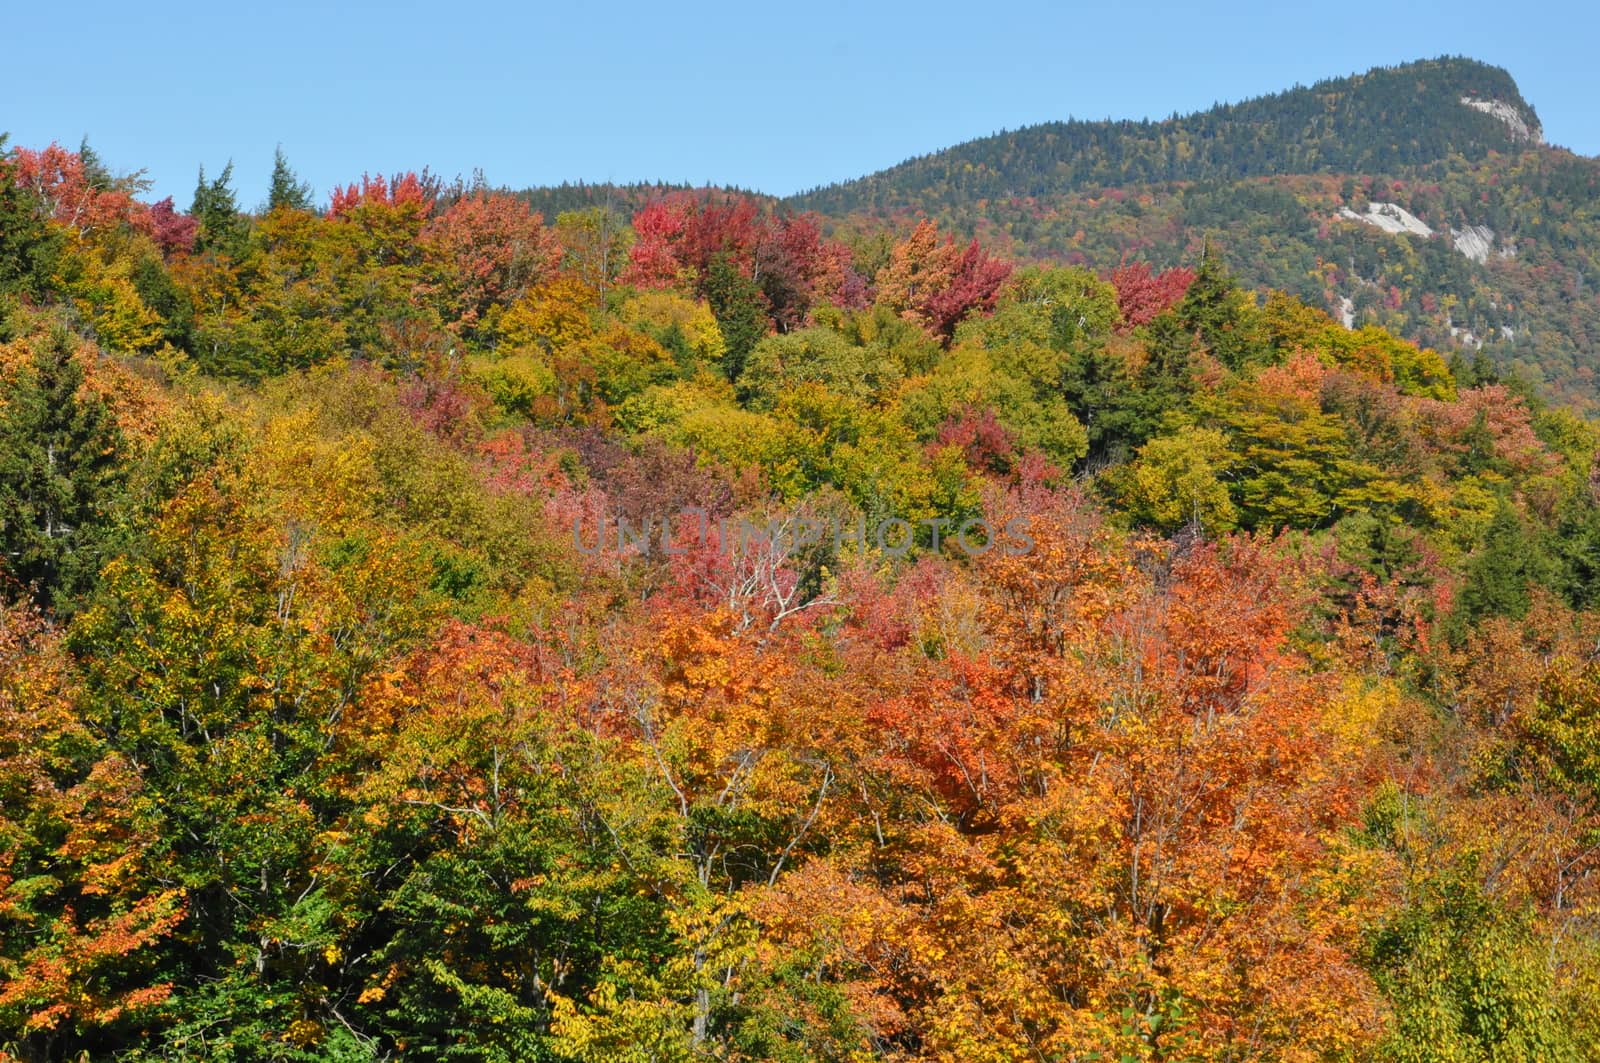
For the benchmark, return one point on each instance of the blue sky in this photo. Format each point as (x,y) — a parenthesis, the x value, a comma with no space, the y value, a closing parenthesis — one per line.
(777,97)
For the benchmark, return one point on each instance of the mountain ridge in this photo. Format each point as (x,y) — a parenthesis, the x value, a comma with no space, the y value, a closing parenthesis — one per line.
(1322,128)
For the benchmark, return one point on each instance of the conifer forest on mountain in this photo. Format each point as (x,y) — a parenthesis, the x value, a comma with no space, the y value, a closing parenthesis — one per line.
(1109,591)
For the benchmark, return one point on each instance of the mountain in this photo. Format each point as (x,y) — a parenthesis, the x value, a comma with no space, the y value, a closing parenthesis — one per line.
(1385,119)
(1420,197)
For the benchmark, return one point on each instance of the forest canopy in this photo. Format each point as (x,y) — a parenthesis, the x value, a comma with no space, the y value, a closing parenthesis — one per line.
(335,725)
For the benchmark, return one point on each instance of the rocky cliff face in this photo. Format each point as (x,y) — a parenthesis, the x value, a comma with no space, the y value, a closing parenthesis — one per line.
(1474,241)
(1521,128)
(1389,217)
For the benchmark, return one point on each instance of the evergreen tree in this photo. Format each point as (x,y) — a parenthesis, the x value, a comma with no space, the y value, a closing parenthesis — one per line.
(216,209)
(288,192)
(59,474)
(1118,413)
(29,246)
(1166,380)
(1476,372)
(94,169)
(1577,550)
(1574,543)
(1213,310)
(740,311)
(1498,574)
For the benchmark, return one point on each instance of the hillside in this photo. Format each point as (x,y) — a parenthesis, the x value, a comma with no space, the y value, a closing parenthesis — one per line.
(1300,191)
(1385,119)
(665,631)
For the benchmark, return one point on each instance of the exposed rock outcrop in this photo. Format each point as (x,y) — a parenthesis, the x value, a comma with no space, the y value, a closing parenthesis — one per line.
(1474,241)
(1507,113)
(1389,217)
(1347,312)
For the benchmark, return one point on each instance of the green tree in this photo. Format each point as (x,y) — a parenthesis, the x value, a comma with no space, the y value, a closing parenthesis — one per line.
(1498,574)
(1168,372)
(595,243)
(1064,308)
(287,191)
(740,312)
(1295,465)
(1119,410)
(779,363)
(59,477)
(217,210)
(1469,981)
(1575,544)
(95,172)
(1222,316)
(29,245)
(1177,481)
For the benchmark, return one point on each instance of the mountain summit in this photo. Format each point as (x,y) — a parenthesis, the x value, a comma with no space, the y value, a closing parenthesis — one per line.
(1385,119)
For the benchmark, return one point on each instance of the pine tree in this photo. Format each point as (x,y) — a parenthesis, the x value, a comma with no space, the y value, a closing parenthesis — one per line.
(1212,310)
(215,208)
(1498,574)
(59,474)
(288,192)
(740,311)
(94,168)
(29,246)
(1577,554)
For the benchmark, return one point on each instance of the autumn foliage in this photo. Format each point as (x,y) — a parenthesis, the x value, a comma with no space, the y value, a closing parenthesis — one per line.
(431,630)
